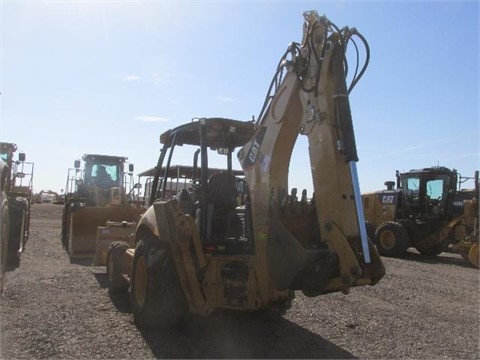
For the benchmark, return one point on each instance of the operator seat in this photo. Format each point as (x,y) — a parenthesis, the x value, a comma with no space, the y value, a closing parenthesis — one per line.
(222,220)
(222,192)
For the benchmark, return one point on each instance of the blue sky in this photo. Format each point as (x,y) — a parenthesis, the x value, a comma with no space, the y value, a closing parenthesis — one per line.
(109,77)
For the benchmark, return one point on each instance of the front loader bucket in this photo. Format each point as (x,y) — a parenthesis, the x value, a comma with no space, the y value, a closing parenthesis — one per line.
(82,241)
(113,231)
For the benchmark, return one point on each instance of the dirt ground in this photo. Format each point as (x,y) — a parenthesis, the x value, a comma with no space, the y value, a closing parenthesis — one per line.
(423,308)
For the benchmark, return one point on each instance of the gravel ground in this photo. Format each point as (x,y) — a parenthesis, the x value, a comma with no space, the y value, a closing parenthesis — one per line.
(423,308)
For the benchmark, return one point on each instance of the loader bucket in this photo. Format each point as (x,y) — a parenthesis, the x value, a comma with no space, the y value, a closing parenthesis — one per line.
(84,222)
(113,231)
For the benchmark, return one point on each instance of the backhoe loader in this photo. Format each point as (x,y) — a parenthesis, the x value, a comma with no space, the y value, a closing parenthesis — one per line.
(201,250)
(97,197)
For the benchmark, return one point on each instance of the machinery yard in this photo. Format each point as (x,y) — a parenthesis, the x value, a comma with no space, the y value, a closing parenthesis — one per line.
(247,238)
(56,308)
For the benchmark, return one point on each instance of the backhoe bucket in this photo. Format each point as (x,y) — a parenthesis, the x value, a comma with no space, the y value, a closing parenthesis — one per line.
(113,231)
(82,241)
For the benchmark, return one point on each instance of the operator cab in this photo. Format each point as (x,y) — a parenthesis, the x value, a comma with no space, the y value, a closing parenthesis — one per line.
(103,171)
(428,192)
(102,180)
(215,196)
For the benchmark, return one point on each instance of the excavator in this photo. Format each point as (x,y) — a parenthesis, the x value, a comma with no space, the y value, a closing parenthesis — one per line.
(199,250)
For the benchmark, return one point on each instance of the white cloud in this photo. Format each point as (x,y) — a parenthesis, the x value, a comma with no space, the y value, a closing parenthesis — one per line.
(131,78)
(149,118)
(225,99)
(158,79)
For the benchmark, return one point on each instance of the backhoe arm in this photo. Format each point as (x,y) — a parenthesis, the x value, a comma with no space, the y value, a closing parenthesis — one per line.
(309,96)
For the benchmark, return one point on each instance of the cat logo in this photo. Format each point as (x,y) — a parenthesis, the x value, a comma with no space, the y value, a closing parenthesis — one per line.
(253,151)
(388,199)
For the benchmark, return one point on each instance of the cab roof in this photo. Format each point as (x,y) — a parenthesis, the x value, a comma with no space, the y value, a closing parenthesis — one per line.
(185,171)
(432,170)
(5,147)
(220,133)
(99,157)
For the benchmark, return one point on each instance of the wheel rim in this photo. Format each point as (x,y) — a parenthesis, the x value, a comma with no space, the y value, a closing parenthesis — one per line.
(141,281)
(387,239)
(473,255)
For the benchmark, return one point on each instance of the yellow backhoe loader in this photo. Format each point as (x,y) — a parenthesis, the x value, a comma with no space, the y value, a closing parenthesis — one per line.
(202,250)
(96,196)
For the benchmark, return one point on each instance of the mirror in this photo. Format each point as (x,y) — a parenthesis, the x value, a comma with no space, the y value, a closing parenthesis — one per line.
(20,175)
(76,164)
(21,157)
(130,168)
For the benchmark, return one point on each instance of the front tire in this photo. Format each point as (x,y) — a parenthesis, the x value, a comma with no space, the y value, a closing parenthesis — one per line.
(116,283)
(65,225)
(16,236)
(391,239)
(4,238)
(157,297)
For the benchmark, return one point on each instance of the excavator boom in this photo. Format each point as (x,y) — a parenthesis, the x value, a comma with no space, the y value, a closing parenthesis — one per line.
(311,100)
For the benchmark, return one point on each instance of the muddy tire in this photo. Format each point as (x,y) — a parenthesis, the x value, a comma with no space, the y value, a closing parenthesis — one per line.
(4,236)
(16,237)
(157,298)
(116,283)
(65,225)
(391,239)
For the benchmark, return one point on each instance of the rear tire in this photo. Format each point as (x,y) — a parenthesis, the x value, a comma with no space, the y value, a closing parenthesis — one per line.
(156,295)
(116,282)
(391,239)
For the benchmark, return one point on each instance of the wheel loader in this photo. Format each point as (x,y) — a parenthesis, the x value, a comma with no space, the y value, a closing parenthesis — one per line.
(424,211)
(200,250)
(97,209)
(17,183)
